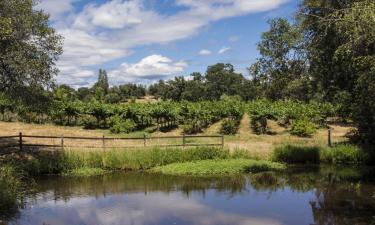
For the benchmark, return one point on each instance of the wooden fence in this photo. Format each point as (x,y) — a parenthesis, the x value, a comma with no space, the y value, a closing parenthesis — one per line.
(22,141)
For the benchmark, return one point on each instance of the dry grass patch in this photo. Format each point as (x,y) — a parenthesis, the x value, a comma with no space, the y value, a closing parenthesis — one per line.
(214,129)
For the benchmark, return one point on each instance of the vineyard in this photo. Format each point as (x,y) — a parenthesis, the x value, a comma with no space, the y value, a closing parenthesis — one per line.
(191,117)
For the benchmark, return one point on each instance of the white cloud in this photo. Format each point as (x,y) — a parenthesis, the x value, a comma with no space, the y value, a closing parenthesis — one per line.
(151,67)
(224,50)
(205,52)
(101,33)
(114,14)
(55,8)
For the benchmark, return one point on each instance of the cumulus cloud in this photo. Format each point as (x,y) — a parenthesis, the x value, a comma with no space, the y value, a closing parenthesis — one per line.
(205,52)
(107,31)
(55,8)
(150,67)
(224,50)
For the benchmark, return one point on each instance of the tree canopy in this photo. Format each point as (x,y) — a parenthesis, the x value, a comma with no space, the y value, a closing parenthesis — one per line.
(29,47)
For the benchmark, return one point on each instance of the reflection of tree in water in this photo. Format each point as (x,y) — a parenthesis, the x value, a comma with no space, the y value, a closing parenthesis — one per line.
(342,195)
(118,183)
(342,198)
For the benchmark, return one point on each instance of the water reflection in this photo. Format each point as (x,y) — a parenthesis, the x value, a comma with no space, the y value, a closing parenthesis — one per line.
(316,196)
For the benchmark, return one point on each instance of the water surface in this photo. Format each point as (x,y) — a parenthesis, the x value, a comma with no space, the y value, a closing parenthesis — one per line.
(316,196)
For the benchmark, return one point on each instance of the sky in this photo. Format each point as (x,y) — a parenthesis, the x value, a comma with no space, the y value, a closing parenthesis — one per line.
(143,41)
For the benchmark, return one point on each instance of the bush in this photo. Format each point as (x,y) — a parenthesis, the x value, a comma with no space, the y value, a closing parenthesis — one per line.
(124,126)
(345,154)
(229,126)
(296,154)
(89,122)
(259,124)
(303,128)
(192,127)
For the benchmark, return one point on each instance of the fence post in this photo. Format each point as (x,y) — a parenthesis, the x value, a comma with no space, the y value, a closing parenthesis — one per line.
(222,141)
(103,144)
(144,140)
(62,142)
(20,141)
(329,137)
(183,140)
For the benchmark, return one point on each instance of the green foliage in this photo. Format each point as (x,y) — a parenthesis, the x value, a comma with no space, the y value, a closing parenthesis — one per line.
(121,126)
(89,122)
(11,187)
(345,154)
(296,154)
(218,167)
(29,48)
(118,159)
(280,72)
(303,128)
(229,126)
(85,172)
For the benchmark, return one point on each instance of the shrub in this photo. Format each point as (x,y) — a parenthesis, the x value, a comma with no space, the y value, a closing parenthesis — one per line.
(303,128)
(124,126)
(229,126)
(345,154)
(259,124)
(192,127)
(89,122)
(296,154)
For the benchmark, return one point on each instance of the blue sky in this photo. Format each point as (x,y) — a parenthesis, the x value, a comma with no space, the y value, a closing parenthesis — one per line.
(145,40)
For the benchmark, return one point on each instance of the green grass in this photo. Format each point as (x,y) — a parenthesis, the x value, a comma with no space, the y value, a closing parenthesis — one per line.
(345,154)
(11,188)
(85,172)
(296,154)
(218,167)
(119,159)
(338,155)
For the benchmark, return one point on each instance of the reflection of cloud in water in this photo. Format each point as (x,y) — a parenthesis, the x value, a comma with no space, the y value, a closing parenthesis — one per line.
(135,209)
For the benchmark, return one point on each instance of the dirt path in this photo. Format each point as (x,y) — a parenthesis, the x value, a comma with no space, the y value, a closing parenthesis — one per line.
(244,128)
(213,129)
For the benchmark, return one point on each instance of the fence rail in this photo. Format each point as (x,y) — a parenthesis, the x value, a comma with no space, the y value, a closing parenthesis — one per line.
(62,142)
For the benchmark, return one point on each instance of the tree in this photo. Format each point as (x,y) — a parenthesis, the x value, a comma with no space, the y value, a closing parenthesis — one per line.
(341,40)
(84,94)
(29,47)
(102,81)
(221,79)
(280,71)
(322,37)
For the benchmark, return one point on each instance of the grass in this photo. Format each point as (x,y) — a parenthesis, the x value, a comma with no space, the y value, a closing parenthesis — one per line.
(85,172)
(70,162)
(338,155)
(11,188)
(296,154)
(345,154)
(218,167)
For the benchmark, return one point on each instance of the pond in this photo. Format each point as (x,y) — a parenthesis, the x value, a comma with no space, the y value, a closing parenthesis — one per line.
(317,195)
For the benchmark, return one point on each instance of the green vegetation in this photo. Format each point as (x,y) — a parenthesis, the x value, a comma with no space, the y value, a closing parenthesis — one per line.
(11,188)
(345,154)
(296,154)
(303,128)
(69,162)
(340,154)
(218,167)
(85,172)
